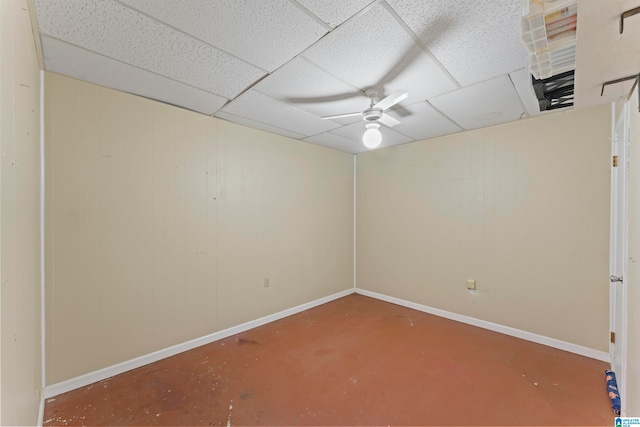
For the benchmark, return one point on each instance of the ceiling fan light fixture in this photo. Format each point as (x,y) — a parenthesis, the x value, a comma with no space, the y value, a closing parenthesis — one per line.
(372,136)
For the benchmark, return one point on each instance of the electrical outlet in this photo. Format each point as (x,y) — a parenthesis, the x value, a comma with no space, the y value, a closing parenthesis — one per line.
(471,285)
(266,282)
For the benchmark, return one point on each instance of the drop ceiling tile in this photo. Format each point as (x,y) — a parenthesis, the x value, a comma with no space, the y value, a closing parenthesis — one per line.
(474,40)
(338,142)
(374,50)
(355,131)
(116,31)
(522,81)
(257,125)
(81,64)
(261,108)
(263,33)
(484,104)
(422,121)
(334,12)
(423,79)
(308,87)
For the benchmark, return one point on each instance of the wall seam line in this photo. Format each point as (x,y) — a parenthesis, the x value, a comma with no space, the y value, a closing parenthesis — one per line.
(355,206)
(42,254)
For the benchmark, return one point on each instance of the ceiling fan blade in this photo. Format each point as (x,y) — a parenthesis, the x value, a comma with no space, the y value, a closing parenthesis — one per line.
(339,116)
(388,121)
(434,31)
(327,98)
(391,100)
(407,58)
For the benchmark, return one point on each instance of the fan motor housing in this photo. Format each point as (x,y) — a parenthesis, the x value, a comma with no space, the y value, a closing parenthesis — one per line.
(372,114)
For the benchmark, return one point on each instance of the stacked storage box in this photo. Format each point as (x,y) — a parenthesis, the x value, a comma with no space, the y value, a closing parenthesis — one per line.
(549,35)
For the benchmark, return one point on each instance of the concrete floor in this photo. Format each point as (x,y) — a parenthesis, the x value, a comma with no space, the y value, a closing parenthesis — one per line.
(353,361)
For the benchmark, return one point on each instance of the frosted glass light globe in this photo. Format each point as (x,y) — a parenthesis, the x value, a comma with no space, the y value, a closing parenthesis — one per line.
(372,136)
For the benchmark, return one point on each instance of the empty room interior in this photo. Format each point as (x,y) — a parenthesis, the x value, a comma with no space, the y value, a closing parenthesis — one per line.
(313,212)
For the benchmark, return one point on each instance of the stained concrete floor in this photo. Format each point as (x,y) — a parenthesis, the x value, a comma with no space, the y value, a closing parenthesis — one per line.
(353,361)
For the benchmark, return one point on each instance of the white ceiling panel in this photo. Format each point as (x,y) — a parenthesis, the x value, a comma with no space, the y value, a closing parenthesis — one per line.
(280,65)
(355,131)
(374,50)
(116,31)
(423,79)
(484,104)
(264,109)
(258,125)
(423,122)
(334,12)
(264,33)
(522,81)
(338,142)
(72,61)
(308,87)
(474,40)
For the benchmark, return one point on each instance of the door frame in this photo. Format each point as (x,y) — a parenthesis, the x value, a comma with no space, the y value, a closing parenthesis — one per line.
(618,242)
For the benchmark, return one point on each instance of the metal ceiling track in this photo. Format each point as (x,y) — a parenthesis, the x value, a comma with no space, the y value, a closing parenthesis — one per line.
(554,92)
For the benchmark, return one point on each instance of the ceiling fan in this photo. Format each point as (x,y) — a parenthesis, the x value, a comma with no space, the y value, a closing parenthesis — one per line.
(374,114)
(377,110)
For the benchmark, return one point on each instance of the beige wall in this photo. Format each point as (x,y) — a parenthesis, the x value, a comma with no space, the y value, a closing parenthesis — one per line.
(522,208)
(20,355)
(631,401)
(161,225)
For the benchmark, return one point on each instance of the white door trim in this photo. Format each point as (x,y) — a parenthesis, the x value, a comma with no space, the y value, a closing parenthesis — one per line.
(618,242)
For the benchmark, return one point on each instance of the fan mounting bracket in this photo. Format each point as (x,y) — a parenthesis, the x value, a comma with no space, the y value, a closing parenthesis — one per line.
(372,93)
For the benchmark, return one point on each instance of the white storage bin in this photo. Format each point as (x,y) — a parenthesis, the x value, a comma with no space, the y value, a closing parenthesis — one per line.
(548,32)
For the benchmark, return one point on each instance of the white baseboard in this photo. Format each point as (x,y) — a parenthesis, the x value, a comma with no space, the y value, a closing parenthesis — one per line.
(92,377)
(41,410)
(529,336)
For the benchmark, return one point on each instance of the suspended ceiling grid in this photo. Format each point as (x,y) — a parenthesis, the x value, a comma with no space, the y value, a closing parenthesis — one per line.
(279,65)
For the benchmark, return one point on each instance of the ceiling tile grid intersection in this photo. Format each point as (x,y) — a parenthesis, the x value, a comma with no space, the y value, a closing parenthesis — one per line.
(262,108)
(113,30)
(484,104)
(258,125)
(424,121)
(474,40)
(334,12)
(85,65)
(363,52)
(264,34)
(283,64)
(308,87)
